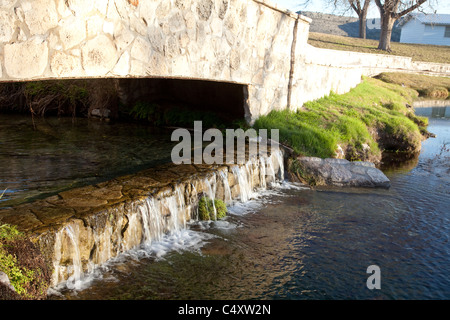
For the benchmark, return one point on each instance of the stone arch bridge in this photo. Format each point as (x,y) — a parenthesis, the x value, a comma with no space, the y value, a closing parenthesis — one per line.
(251,43)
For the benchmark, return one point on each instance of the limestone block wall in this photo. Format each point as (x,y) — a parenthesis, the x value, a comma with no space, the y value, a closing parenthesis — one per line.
(431,67)
(372,64)
(320,70)
(317,72)
(339,57)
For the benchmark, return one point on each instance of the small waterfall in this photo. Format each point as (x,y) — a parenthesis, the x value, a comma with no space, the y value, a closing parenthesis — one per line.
(245,191)
(211,192)
(279,161)
(83,245)
(57,268)
(270,171)
(151,220)
(76,269)
(226,186)
(177,211)
(262,173)
(161,216)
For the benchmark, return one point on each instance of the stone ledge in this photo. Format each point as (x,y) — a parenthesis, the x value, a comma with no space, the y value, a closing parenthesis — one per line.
(87,226)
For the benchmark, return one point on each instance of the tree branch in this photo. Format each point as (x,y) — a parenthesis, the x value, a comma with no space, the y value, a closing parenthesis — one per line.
(412,8)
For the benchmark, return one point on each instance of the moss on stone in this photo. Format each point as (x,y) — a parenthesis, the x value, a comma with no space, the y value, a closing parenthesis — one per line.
(206,209)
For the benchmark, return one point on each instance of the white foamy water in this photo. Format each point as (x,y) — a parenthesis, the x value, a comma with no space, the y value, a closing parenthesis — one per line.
(176,241)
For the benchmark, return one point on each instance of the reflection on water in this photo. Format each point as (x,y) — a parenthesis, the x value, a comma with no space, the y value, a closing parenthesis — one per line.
(62,153)
(296,243)
(433,112)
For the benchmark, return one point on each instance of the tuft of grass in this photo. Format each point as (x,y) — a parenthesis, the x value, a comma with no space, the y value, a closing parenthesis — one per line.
(418,52)
(373,114)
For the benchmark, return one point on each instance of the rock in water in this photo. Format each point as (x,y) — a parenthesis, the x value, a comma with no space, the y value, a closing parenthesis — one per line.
(340,172)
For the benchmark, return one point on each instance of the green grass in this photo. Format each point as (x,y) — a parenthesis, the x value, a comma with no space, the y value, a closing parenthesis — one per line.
(426,86)
(18,276)
(418,52)
(373,114)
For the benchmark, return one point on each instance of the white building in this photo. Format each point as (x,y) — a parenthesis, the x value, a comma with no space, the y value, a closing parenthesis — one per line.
(426,29)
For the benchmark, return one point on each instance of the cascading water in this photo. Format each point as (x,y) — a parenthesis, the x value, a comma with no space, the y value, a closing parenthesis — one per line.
(150,220)
(226,185)
(76,268)
(211,192)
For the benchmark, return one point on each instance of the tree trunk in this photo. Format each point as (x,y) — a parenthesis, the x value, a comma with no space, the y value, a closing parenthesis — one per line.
(362,26)
(387,23)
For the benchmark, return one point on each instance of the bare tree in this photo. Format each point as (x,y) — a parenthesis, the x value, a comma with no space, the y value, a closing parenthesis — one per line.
(361,7)
(361,11)
(391,11)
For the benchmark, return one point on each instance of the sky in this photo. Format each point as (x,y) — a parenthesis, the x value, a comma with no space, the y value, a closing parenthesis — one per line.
(318,6)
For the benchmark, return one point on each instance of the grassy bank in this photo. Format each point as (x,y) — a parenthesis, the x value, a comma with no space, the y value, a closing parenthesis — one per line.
(418,52)
(426,86)
(369,119)
(22,263)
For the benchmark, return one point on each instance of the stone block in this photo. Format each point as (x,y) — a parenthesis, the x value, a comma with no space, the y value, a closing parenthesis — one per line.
(99,56)
(7,3)
(72,31)
(94,26)
(26,59)
(80,7)
(217,27)
(138,25)
(101,6)
(204,9)
(176,23)
(190,20)
(63,9)
(6,26)
(138,68)
(40,15)
(221,7)
(141,50)
(65,65)
(124,39)
(123,65)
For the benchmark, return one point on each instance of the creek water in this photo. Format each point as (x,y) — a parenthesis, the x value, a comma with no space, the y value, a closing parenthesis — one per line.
(50,155)
(291,242)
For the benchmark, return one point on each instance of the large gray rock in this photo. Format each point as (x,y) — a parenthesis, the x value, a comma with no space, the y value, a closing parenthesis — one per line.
(340,172)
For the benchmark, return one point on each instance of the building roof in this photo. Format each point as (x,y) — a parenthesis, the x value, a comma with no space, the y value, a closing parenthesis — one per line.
(430,19)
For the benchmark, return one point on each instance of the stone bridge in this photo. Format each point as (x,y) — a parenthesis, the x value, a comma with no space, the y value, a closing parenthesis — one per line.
(245,42)
(257,46)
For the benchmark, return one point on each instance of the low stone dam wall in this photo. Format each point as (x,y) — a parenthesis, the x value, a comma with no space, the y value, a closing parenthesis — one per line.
(82,228)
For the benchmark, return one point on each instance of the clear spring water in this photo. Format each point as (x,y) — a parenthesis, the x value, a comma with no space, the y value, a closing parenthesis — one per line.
(295,243)
(56,154)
